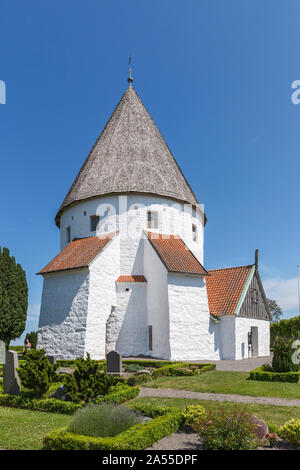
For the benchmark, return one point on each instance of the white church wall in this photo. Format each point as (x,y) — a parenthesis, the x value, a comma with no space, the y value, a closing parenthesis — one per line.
(227,337)
(157,302)
(129,215)
(130,325)
(242,327)
(104,272)
(62,323)
(190,338)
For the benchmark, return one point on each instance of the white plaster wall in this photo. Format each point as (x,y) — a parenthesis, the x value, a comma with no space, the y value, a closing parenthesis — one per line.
(227,337)
(157,302)
(62,323)
(104,271)
(130,336)
(242,327)
(190,338)
(129,215)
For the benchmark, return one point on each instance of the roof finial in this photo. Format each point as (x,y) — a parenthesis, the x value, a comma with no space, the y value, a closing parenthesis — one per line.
(130,79)
(256,259)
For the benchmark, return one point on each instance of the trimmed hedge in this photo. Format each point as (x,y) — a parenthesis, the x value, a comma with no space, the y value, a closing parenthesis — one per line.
(148,363)
(138,437)
(174,369)
(261,374)
(65,407)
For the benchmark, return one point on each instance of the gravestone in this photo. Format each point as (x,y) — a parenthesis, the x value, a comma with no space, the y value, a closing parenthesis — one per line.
(114,363)
(52,359)
(11,380)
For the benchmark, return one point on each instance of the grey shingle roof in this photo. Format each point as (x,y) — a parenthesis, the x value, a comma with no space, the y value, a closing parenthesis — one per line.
(130,155)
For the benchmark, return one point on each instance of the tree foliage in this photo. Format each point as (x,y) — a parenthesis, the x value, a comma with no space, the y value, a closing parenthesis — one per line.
(282,356)
(13,298)
(275,310)
(37,373)
(88,382)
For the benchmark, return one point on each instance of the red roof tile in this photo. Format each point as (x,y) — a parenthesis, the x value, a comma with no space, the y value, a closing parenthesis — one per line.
(175,254)
(133,278)
(225,287)
(78,254)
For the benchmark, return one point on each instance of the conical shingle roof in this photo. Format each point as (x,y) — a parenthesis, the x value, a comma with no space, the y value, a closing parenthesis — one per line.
(130,155)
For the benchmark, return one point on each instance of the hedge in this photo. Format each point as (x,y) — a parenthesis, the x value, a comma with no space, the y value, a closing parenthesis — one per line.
(261,374)
(138,437)
(176,369)
(65,407)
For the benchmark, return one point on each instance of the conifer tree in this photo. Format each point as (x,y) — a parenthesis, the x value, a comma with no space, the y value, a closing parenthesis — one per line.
(13,298)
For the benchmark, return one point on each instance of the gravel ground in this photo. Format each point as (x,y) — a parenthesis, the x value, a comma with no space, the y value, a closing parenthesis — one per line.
(185,439)
(171,393)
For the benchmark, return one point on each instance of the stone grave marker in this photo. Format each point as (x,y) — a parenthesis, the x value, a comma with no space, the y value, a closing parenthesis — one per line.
(114,363)
(52,359)
(11,380)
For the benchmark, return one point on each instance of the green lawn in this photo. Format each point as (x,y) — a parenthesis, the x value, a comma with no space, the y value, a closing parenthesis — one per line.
(273,414)
(24,429)
(228,382)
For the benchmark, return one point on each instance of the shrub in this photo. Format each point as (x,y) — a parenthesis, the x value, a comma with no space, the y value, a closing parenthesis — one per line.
(282,356)
(133,367)
(120,396)
(104,420)
(36,373)
(193,413)
(88,381)
(224,429)
(137,437)
(291,431)
(139,379)
(261,374)
(182,369)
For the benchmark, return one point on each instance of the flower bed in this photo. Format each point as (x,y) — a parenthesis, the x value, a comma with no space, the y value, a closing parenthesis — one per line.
(138,437)
(261,374)
(66,407)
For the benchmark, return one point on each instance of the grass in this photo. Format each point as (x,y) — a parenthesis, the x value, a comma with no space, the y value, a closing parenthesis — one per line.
(228,382)
(24,429)
(277,415)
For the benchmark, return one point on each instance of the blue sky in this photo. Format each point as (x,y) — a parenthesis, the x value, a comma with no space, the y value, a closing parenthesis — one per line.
(216,77)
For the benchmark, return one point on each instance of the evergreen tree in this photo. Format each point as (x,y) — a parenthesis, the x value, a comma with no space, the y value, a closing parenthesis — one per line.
(13,298)
(275,310)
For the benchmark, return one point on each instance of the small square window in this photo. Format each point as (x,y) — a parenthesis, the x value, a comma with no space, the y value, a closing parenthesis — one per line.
(94,219)
(152,219)
(68,234)
(194,233)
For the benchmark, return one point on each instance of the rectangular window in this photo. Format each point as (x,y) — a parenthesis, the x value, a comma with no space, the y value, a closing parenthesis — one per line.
(152,219)
(150,337)
(94,219)
(68,234)
(194,233)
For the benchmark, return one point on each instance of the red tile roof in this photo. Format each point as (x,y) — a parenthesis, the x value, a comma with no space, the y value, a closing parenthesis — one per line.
(225,287)
(133,278)
(175,254)
(78,254)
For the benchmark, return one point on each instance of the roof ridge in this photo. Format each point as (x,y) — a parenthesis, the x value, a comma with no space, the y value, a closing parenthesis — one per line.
(233,267)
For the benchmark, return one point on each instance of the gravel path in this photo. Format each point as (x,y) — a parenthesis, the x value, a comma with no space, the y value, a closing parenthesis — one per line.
(180,440)
(170,393)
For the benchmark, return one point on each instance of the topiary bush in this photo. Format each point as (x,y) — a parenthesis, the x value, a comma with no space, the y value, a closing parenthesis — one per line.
(36,373)
(193,413)
(89,381)
(224,429)
(282,356)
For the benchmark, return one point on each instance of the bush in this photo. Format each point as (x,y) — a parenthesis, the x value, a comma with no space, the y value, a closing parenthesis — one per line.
(291,431)
(65,407)
(137,437)
(88,381)
(139,379)
(151,410)
(36,373)
(261,374)
(193,413)
(182,369)
(133,368)
(282,356)
(224,429)
(104,420)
